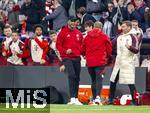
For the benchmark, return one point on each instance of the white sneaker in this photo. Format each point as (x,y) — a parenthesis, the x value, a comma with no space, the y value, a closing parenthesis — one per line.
(77,102)
(72,101)
(98,100)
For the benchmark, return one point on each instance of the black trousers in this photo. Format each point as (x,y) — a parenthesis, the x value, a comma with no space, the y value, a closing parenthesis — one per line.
(113,89)
(73,68)
(96,80)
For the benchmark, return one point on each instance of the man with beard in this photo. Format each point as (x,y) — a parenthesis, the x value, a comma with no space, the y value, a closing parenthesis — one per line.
(7,40)
(69,46)
(38,46)
(17,51)
(124,68)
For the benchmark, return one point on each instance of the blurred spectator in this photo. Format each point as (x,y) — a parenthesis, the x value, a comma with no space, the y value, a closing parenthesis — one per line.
(30,13)
(119,14)
(13,14)
(40,4)
(49,8)
(147,34)
(59,16)
(147,3)
(20,3)
(3,4)
(147,17)
(110,7)
(2,24)
(96,6)
(3,15)
(71,6)
(137,12)
(84,16)
(107,25)
(42,10)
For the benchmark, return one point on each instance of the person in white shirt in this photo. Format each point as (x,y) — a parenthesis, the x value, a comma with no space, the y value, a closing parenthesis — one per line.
(16,51)
(38,46)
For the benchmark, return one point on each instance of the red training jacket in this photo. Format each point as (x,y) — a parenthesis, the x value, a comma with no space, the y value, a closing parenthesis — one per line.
(97,48)
(69,39)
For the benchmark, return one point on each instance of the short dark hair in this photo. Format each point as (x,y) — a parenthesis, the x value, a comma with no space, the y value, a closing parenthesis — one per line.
(52,32)
(130,3)
(110,3)
(36,26)
(15,31)
(89,23)
(72,19)
(128,23)
(135,21)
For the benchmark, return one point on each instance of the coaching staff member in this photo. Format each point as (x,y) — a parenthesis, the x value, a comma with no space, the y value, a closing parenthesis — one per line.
(68,44)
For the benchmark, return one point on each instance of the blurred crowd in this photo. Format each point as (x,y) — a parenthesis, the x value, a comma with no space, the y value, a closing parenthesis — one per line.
(53,14)
(22,17)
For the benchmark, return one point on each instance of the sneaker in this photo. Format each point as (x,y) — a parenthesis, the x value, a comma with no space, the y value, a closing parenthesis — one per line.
(72,101)
(77,102)
(98,100)
(91,103)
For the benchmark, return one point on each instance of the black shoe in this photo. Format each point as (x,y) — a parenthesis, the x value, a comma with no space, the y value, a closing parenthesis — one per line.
(110,102)
(134,104)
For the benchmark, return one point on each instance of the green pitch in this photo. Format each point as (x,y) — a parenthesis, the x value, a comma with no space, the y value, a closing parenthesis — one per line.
(79,109)
(98,109)
(3,109)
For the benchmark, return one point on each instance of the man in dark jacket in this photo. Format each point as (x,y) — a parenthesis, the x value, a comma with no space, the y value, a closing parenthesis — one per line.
(69,46)
(84,16)
(31,15)
(137,13)
(78,3)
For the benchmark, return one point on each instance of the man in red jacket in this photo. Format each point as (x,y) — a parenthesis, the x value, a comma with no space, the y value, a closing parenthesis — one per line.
(38,46)
(97,49)
(69,46)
